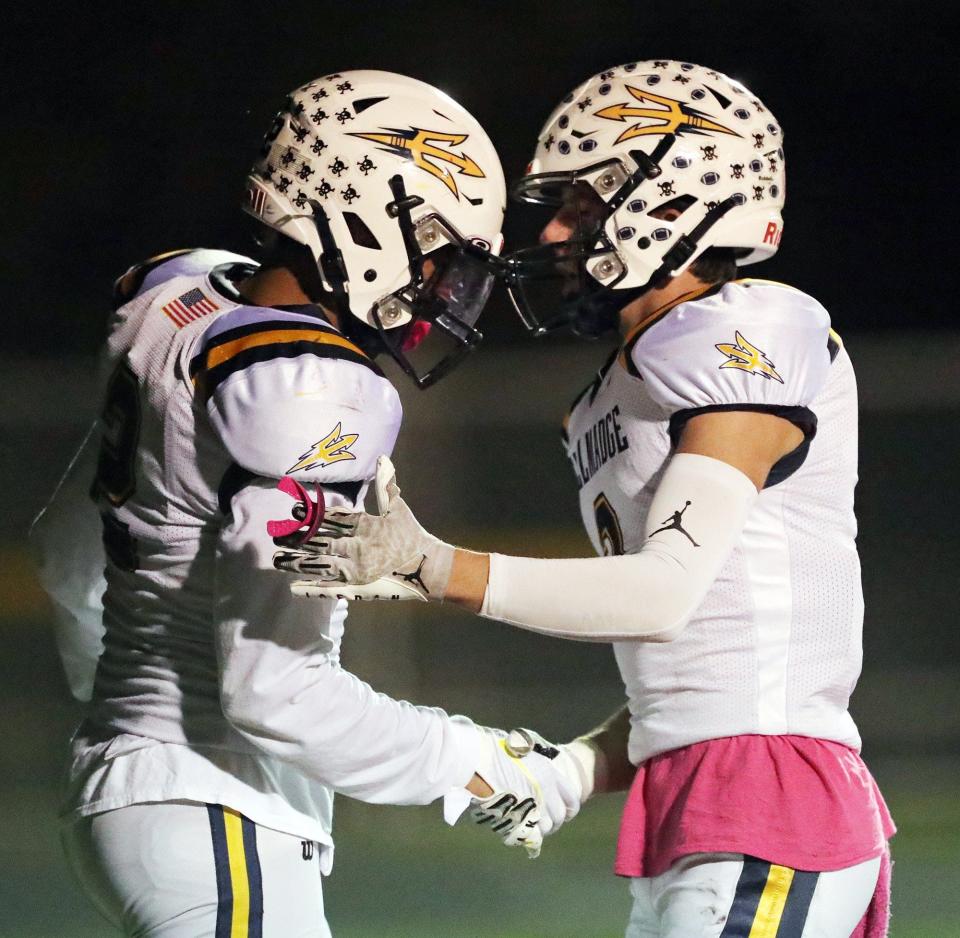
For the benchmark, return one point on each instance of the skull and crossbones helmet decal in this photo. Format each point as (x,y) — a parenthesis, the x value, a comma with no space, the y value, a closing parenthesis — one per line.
(398,193)
(639,138)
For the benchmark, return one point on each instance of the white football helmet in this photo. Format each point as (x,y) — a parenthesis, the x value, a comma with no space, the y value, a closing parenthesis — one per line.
(377,174)
(644,136)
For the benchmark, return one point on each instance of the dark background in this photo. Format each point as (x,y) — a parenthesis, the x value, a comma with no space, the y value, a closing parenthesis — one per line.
(130,127)
(128,131)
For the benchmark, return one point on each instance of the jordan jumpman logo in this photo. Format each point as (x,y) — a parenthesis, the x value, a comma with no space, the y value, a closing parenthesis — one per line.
(674,523)
(415,576)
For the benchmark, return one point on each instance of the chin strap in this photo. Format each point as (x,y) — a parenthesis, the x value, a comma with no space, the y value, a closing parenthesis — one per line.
(687,244)
(598,311)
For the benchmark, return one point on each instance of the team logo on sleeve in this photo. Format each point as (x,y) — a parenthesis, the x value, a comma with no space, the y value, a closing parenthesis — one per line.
(747,357)
(334,447)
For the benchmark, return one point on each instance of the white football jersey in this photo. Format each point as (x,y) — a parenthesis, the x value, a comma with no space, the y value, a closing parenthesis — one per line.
(775,647)
(208,402)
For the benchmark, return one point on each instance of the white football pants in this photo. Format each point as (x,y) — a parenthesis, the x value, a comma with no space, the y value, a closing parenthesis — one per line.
(728,895)
(179,869)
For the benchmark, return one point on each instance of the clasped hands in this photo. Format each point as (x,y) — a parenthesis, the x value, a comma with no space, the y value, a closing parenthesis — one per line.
(351,555)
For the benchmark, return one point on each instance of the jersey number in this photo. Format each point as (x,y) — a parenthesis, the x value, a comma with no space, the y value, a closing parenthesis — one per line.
(608,526)
(120,421)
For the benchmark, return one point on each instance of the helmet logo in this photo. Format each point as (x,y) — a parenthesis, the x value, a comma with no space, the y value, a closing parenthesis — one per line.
(418,145)
(672,117)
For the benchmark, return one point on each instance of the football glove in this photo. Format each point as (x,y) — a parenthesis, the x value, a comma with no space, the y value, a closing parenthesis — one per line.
(356,556)
(522,767)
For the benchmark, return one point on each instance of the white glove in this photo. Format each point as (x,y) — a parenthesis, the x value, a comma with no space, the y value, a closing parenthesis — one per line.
(519,767)
(516,822)
(354,555)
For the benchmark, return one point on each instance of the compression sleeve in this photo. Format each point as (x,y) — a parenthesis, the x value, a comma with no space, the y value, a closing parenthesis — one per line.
(285,691)
(695,519)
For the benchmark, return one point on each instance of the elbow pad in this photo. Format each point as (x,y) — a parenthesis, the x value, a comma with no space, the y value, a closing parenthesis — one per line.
(695,519)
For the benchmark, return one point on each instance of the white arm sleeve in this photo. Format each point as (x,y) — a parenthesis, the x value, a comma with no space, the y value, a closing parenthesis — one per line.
(695,519)
(283,691)
(67,542)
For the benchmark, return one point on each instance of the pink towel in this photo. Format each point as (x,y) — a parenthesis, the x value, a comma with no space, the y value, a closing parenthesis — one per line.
(876,920)
(809,804)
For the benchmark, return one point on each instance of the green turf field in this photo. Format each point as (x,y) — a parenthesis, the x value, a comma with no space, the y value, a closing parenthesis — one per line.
(401,872)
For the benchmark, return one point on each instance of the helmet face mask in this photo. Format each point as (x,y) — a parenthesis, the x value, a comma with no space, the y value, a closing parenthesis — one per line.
(572,278)
(694,164)
(439,308)
(375,173)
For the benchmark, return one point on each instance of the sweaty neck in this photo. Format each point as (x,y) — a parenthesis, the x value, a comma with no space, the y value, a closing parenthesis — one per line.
(644,307)
(278,286)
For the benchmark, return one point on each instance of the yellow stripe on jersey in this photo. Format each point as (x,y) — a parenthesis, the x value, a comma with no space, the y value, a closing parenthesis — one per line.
(773,900)
(239,881)
(223,353)
(836,338)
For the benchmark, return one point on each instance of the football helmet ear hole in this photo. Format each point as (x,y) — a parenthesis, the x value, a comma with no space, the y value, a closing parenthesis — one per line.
(673,208)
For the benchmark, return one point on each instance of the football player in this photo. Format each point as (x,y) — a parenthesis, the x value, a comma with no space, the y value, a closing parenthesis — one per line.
(220,721)
(716,457)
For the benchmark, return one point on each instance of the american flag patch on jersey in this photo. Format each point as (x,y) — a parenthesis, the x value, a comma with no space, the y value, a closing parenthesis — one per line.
(189,306)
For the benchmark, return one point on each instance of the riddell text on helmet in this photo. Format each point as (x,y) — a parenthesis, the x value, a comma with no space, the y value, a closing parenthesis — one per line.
(773,234)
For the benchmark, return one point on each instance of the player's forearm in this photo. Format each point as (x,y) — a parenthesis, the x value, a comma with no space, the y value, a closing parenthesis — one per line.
(695,520)
(337,730)
(613,770)
(468,579)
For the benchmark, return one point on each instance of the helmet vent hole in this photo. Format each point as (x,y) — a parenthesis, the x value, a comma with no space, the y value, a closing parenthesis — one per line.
(722,100)
(361,234)
(360,106)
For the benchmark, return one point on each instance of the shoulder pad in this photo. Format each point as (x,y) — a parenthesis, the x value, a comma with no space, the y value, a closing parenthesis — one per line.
(289,395)
(163,267)
(748,343)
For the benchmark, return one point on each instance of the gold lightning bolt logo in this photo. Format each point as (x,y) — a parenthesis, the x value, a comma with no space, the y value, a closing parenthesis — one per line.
(747,357)
(670,117)
(332,448)
(419,146)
